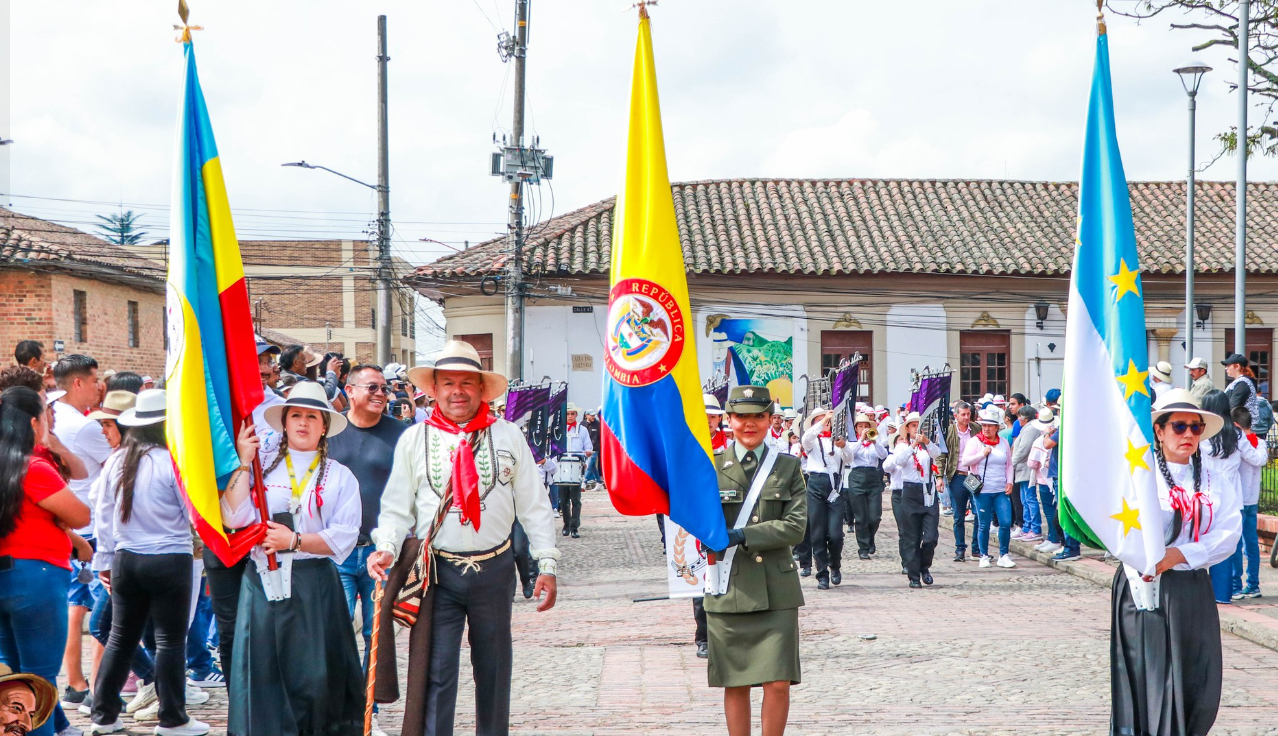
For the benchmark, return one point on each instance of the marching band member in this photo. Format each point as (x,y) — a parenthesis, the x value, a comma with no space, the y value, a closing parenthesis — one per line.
(826,459)
(865,484)
(916,507)
(775,438)
(578,442)
(714,417)
(1170,681)
(753,627)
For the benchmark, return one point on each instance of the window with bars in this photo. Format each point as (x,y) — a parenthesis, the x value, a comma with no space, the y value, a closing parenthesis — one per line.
(80,307)
(403,326)
(839,345)
(134,338)
(984,363)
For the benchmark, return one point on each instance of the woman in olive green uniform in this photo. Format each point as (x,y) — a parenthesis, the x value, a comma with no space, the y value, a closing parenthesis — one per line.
(754,624)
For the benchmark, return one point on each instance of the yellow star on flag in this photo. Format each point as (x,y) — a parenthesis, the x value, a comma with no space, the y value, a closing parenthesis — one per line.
(1134,381)
(1136,456)
(1125,280)
(1130,518)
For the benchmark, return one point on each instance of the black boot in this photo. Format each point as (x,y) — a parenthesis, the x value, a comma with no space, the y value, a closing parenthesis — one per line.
(863,555)
(915,584)
(823,581)
(836,577)
(805,572)
(927,578)
(958,557)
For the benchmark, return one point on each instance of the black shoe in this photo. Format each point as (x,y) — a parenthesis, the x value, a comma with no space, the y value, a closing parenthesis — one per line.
(863,555)
(958,557)
(915,584)
(565,532)
(805,572)
(528,589)
(703,650)
(575,535)
(836,577)
(823,583)
(927,578)
(904,571)
(873,550)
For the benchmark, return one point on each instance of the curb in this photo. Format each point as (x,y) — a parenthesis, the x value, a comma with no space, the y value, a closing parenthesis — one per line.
(1237,620)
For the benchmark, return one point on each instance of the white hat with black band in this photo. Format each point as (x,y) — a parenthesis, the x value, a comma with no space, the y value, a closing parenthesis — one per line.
(149,409)
(305,395)
(458,356)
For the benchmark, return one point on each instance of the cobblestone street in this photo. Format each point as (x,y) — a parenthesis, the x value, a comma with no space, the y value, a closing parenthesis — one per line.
(994,651)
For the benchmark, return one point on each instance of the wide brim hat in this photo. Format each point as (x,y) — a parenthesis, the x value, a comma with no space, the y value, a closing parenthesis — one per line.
(312,359)
(148,409)
(1162,371)
(1046,419)
(811,421)
(305,395)
(572,407)
(862,419)
(712,405)
(458,356)
(990,415)
(114,404)
(1177,401)
(46,695)
(790,414)
(913,416)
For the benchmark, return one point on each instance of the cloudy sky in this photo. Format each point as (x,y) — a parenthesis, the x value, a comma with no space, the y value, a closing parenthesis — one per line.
(750,88)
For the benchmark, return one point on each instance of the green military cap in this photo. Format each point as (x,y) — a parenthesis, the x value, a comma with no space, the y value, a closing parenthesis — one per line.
(749,400)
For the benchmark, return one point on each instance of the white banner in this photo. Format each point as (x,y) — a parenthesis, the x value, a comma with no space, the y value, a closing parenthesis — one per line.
(685,562)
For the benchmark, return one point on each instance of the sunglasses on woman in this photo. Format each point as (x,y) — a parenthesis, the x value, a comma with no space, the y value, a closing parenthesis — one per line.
(1180,427)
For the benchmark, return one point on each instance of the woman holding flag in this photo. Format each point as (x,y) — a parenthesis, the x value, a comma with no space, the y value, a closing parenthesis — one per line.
(315,513)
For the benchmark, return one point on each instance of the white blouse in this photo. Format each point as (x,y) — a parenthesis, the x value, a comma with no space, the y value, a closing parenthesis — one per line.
(337,520)
(866,456)
(159,523)
(905,455)
(1217,541)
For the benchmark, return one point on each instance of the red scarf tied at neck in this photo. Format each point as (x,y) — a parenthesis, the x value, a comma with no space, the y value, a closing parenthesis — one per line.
(465,480)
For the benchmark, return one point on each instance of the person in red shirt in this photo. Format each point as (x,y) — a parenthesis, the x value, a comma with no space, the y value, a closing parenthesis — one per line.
(36,509)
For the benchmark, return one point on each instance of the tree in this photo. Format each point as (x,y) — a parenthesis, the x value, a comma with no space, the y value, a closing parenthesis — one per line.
(121,228)
(1215,23)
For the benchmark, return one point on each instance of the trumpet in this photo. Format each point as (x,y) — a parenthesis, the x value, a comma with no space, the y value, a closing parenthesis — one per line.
(870,435)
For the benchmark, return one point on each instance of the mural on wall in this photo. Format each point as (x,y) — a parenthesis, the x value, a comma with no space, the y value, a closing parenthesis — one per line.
(757,352)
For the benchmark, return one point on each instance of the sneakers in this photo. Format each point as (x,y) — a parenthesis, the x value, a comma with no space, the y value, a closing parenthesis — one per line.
(146,696)
(70,731)
(130,685)
(1006,561)
(985,560)
(72,698)
(212,678)
(149,713)
(703,650)
(1031,537)
(1249,592)
(375,729)
(947,511)
(192,727)
(109,727)
(1065,556)
(970,517)
(195,696)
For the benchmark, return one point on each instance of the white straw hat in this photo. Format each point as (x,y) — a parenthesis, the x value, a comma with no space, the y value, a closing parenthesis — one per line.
(458,356)
(149,409)
(305,395)
(1162,371)
(990,415)
(712,405)
(1177,401)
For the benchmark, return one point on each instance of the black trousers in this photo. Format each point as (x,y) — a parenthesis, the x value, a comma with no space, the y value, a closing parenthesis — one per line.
(825,524)
(155,588)
(524,561)
(224,595)
(570,506)
(482,601)
(699,615)
(917,526)
(865,494)
(1018,507)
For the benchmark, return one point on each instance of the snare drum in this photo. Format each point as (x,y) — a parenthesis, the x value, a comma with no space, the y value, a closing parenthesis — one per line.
(571,468)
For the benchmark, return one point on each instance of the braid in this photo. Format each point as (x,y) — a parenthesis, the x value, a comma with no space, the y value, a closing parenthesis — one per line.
(279,457)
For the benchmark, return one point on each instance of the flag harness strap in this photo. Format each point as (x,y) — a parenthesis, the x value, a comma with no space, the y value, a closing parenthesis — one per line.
(717,580)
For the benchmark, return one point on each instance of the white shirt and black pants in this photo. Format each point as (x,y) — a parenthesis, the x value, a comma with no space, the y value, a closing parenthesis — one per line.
(916,507)
(865,490)
(824,540)
(474,567)
(578,439)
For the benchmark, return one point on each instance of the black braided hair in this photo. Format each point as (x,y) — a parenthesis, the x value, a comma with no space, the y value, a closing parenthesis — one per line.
(1195,462)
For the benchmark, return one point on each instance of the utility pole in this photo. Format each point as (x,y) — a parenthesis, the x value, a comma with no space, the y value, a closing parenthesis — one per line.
(515,270)
(384,271)
(1240,215)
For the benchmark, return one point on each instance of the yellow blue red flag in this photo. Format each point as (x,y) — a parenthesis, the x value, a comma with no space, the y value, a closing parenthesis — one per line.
(212,379)
(655,452)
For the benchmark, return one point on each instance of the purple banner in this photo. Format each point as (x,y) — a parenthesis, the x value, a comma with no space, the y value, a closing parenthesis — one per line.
(557,419)
(843,387)
(521,401)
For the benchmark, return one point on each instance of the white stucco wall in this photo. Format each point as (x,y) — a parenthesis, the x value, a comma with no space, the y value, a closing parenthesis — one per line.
(916,339)
(552,335)
(1044,365)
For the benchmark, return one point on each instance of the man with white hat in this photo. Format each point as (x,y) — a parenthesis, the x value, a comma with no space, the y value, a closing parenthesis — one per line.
(459,481)
(1160,377)
(578,444)
(1201,382)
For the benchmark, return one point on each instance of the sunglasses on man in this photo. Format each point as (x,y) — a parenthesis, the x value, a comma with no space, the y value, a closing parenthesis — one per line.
(373,388)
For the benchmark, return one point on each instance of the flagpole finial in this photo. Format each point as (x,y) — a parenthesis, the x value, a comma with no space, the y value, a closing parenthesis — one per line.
(643,7)
(1100,18)
(185,13)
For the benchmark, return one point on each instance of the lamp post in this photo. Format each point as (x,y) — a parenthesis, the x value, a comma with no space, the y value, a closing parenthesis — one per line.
(1191,75)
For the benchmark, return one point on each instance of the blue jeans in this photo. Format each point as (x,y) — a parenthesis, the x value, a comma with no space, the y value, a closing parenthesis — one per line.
(1249,545)
(198,657)
(987,506)
(1047,501)
(357,584)
(33,624)
(592,468)
(1032,523)
(1072,546)
(961,497)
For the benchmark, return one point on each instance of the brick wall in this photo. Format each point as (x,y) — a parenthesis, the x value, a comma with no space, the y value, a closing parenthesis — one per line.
(24,310)
(108,323)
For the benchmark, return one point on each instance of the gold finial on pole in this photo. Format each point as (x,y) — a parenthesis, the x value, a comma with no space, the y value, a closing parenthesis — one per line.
(184,13)
(643,7)
(1100,18)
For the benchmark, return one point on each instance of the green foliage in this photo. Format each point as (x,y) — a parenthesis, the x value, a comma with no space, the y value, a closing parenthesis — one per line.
(121,228)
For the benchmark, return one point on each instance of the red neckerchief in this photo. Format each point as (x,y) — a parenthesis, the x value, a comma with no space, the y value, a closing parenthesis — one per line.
(1191,507)
(718,439)
(776,434)
(465,480)
(826,433)
(992,443)
(572,426)
(1253,439)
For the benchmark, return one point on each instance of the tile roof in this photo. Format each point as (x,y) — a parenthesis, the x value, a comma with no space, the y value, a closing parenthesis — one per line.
(861,226)
(35,242)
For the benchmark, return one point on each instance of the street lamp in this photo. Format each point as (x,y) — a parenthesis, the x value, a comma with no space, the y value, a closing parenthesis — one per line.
(1040,312)
(1191,75)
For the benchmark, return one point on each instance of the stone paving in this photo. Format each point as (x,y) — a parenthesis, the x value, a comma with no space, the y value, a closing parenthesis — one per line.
(994,651)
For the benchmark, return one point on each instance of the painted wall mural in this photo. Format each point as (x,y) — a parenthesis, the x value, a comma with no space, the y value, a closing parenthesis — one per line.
(757,352)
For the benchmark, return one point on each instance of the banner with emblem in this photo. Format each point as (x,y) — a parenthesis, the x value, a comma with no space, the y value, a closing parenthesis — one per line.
(686,563)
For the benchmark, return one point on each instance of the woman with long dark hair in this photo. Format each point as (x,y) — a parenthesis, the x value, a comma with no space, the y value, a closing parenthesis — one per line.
(144,534)
(1225,455)
(1165,663)
(36,509)
(300,671)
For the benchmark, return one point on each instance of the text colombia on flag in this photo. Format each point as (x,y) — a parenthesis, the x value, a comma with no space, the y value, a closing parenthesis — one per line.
(655,453)
(1107,466)
(212,379)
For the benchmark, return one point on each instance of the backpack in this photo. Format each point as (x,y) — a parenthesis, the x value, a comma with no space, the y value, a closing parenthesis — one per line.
(1264,417)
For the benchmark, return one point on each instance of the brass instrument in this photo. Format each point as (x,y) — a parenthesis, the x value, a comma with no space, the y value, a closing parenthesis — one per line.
(870,435)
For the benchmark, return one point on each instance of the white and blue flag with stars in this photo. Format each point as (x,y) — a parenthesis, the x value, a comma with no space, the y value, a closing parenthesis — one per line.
(1107,465)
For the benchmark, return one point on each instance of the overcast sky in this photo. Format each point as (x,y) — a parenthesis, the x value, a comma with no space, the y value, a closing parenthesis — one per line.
(749,88)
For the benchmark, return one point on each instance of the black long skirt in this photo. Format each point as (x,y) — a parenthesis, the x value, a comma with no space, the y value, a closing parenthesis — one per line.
(1165,665)
(296,666)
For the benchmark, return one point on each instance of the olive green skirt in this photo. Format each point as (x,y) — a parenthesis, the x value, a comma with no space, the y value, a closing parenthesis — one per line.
(748,649)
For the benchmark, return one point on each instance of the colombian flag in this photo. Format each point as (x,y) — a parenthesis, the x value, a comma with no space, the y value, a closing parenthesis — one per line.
(655,452)
(211,377)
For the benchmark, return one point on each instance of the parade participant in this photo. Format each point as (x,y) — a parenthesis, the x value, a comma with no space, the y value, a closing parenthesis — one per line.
(144,545)
(954,474)
(753,627)
(1201,382)
(916,507)
(989,456)
(480,468)
(1160,378)
(775,438)
(577,441)
(1165,664)
(827,457)
(865,483)
(714,417)
(26,701)
(1225,454)
(1242,385)
(365,448)
(313,525)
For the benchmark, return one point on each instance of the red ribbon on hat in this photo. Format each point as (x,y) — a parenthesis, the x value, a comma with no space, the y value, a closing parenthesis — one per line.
(465,479)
